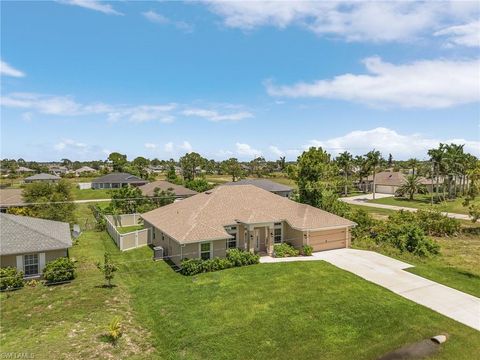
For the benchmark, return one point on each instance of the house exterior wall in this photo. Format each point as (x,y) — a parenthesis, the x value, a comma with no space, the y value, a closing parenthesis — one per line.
(11,260)
(292,236)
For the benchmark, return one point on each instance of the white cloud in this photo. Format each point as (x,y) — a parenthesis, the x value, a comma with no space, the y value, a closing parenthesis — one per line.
(150,146)
(71,144)
(95,5)
(247,150)
(9,70)
(275,150)
(466,35)
(214,115)
(421,84)
(168,147)
(185,145)
(160,19)
(171,147)
(401,146)
(353,20)
(67,106)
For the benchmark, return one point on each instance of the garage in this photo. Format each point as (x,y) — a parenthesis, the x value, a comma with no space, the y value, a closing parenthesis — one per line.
(328,239)
(386,189)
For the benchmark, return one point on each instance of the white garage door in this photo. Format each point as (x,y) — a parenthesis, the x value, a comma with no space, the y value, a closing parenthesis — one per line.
(386,189)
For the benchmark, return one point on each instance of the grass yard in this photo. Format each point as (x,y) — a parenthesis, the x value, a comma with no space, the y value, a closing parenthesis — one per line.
(127,229)
(303,310)
(424,202)
(91,194)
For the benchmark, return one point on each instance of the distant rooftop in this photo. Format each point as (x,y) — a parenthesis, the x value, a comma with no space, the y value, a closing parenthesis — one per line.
(262,184)
(119,178)
(43,176)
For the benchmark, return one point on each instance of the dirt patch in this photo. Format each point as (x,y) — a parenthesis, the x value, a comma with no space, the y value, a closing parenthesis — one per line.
(419,350)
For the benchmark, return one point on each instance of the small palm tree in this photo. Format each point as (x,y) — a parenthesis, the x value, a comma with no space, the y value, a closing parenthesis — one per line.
(374,159)
(412,186)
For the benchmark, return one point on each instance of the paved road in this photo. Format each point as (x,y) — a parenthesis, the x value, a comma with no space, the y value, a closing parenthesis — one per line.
(389,273)
(91,200)
(362,201)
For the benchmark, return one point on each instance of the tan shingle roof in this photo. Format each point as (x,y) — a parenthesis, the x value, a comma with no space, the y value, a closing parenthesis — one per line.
(394,178)
(179,190)
(203,216)
(11,197)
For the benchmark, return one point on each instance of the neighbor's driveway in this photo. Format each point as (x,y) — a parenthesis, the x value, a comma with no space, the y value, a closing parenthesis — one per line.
(387,272)
(362,200)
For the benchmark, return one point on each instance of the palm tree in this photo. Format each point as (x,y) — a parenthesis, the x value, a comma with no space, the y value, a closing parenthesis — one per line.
(437,157)
(362,169)
(413,164)
(412,186)
(374,159)
(454,159)
(345,160)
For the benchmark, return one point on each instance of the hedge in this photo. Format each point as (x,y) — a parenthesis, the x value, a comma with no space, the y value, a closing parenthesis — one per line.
(10,278)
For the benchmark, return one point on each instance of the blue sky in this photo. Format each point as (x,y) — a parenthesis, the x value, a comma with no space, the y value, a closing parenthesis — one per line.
(83,78)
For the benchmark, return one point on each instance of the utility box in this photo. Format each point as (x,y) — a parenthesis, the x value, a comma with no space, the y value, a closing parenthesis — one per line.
(157,253)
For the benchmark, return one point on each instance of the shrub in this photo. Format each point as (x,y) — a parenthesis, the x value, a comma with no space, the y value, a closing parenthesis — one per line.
(241,258)
(365,222)
(284,250)
(59,270)
(307,250)
(114,331)
(191,266)
(406,237)
(235,258)
(436,224)
(10,278)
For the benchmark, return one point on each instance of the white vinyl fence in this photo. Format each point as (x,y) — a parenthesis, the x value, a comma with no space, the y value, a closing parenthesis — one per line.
(130,240)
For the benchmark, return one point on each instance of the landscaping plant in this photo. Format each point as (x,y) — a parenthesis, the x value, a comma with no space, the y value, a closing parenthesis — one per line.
(10,278)
(115,330)
(284,250)
(59,270)
(108,269)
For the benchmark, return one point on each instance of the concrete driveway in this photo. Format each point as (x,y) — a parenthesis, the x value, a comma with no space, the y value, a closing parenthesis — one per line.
(389,273)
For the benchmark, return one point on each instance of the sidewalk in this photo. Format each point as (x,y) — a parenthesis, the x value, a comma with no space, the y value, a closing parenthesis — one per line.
(362,201)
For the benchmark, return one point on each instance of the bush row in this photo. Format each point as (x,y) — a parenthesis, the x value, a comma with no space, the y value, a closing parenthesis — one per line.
(235,258)
(58,270)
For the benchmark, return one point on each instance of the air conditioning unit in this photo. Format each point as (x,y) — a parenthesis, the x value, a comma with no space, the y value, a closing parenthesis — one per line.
(157,253)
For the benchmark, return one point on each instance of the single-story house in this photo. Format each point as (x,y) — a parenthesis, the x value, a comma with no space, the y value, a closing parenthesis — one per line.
(58,170)
(388,182)
(247,217)
(155,169)
(42,178)
(10,198)
(273,187)
(179,190)
(23,169)
(29,243)
(84,169)
(117,180)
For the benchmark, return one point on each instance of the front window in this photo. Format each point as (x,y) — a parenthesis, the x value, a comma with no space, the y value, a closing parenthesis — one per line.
(30,264)
(277,234)
(232,243)
(205,251)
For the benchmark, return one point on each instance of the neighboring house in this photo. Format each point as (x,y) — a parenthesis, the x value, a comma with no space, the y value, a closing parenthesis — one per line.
(117,180)
(84,170)
(58,170)
(23,169)
(387,182)
(179,191)
(264,184)
(155,169)
(10,198)
(246,217)
(42,178)
(29,243)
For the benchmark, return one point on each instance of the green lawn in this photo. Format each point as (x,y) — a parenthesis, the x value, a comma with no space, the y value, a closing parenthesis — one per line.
(424,202)
(127,229)
(303,310)
(91,194)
